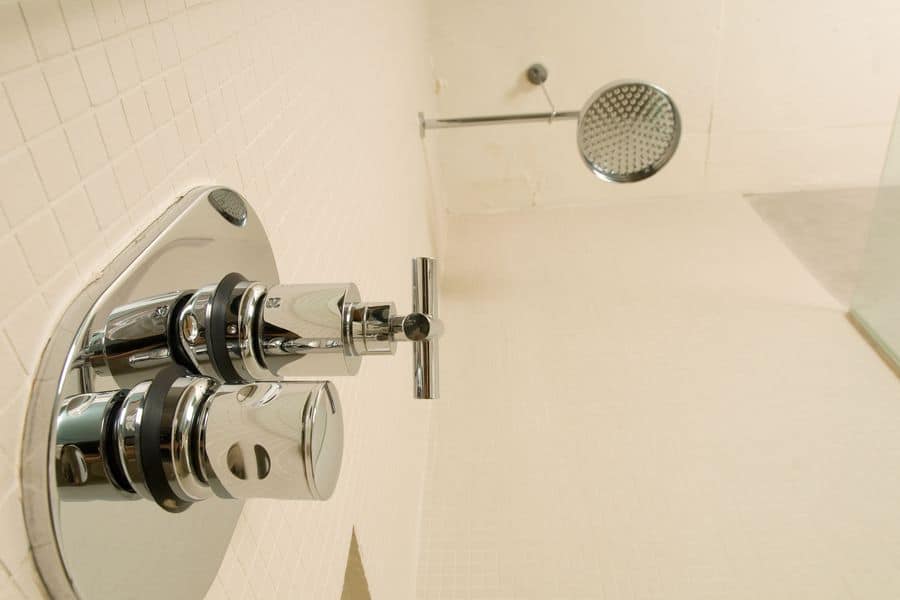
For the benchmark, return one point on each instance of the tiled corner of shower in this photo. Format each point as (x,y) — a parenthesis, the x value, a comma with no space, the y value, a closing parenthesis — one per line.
(99,130)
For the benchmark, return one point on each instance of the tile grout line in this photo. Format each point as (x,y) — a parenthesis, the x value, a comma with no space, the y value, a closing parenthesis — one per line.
(717,53)
(34,49)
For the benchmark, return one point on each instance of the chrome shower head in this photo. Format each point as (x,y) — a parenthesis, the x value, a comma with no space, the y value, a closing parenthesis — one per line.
(628,130)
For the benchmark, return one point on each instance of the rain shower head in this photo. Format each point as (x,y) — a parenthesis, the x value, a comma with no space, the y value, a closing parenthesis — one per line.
(627,131)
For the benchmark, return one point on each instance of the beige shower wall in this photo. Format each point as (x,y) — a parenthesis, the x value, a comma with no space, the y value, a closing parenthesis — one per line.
(775,95)
(110,108)
(655,401)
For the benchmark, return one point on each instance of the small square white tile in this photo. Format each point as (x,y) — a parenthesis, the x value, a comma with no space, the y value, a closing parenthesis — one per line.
(10,134)
(150,153)
(59,290)
(143,212)
(54,162)
(31,102)
(211,69)
(130,176)
(14,548)
(76,219)
(92,256)
(178,94)
(246,87)
(212,154)
(230,98)
(118,233)
(4,224)
(201,28)
(184,35)
(114,127)
(47,26)
(166,45)
(140,123)
(43,244)
(187,132)
(97,75)
(80,21)
(191,173)
(66,86)
(147,55)
(14,268)
(122,63)
(157,10)
(15,44)
(217,109)
(193,75)
(11,371)
(158,101)
(172,151)
(26,327)
(204,119)
(106,198)
(87,144)
(216,591)
(175,6)
(135,13)
(110,17)
(17,172)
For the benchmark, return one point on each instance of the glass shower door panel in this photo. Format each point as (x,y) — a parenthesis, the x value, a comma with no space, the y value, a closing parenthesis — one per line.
(876,304)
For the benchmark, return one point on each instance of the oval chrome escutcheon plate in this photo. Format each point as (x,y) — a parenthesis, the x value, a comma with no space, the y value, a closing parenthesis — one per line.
(97,549)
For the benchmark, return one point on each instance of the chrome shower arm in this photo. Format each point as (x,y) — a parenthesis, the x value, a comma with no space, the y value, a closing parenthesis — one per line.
(549,117)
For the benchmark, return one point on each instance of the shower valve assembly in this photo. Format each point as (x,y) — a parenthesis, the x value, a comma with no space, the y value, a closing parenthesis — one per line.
(186,378)
(203,375)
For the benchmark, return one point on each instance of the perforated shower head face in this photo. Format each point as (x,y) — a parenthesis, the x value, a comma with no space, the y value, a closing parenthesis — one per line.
(628,131)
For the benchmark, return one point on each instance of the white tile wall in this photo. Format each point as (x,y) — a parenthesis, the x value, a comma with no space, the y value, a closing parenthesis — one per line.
(109,108)
(47,28)
(801,93)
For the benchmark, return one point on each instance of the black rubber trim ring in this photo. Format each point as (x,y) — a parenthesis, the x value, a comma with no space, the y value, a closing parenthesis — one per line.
(176,349)
(151,442)
(216,344)
(108,448)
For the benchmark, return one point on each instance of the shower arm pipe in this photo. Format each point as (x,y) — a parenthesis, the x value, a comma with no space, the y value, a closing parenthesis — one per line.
(425,124)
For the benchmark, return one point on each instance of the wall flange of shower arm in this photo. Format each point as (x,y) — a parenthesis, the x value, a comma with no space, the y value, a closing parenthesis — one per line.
(627,130)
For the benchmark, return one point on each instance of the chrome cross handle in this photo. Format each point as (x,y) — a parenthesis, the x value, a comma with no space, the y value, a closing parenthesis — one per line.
(425,350)
(375,328)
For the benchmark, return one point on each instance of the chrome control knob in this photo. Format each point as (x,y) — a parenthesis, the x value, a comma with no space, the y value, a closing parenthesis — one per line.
(273,440)
(86,465)
(180,439)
